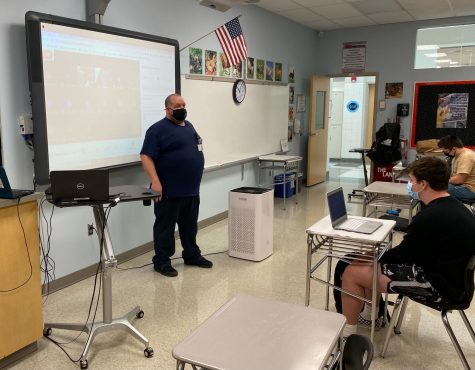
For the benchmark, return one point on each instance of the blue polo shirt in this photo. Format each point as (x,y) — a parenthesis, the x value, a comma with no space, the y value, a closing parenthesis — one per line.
(178,162)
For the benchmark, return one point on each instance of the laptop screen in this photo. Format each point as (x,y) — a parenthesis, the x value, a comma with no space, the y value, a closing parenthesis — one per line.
(336,205)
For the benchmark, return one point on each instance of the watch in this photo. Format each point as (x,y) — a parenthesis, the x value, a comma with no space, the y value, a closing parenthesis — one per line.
(239,91)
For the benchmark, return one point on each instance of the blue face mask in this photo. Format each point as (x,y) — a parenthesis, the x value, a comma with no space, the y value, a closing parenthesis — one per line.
(414,195)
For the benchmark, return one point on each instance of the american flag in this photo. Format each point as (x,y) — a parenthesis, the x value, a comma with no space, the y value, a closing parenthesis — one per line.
(232,41)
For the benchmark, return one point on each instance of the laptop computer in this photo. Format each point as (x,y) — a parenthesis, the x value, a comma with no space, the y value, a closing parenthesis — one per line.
(6,192)
(80,186)
(339,215)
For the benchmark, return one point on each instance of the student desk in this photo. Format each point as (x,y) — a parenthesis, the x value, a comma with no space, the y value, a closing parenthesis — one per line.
(283,164)
(326,242)
(255,333)
(387,195)
(125,193)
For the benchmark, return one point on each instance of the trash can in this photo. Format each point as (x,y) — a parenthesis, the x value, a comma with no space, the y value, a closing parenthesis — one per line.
(286,187)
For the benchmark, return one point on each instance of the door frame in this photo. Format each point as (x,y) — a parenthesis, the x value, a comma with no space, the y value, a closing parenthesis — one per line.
(371,126)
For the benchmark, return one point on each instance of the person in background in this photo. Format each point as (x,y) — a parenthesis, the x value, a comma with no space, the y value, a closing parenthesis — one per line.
(430,261)
(462,177)
(173,160)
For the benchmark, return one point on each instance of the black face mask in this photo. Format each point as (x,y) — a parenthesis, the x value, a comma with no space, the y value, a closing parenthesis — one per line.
(448,155)
(179,114)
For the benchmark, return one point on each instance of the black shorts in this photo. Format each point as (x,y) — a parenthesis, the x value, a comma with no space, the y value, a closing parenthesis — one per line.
(410,281)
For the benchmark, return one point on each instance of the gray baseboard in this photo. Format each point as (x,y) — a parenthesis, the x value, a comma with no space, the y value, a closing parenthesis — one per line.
(18,355)
(89,271)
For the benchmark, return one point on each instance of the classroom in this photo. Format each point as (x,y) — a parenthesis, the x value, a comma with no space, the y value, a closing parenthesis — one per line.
(278,112)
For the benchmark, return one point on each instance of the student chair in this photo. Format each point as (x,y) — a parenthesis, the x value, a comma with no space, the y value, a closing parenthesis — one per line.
(460,305)
(470,203)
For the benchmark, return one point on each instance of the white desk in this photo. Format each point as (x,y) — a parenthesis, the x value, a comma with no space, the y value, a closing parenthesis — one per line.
(255,334)
(388,195)
(329,243)
(280,163)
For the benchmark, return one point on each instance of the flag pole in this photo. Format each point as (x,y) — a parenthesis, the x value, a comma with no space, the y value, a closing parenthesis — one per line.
(202,37)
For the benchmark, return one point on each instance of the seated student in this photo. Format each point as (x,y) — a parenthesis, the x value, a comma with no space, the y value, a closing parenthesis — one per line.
(430,261)
(462,178)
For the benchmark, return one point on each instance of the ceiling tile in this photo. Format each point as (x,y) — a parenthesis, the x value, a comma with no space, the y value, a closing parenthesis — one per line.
(391,17)
(277,5)
(360,21)
(376,6)
(463,7)
(321,24)
(425,4)
(311,3)
(431,13)
(336,11)
(298,15)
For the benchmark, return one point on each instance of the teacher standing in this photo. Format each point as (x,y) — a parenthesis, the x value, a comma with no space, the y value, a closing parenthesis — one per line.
(172,157)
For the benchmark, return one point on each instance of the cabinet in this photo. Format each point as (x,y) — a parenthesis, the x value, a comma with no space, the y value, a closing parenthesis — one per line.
(20,309)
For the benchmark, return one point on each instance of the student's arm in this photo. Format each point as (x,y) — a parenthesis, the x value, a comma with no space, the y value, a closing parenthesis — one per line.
(458,179)
(149,168)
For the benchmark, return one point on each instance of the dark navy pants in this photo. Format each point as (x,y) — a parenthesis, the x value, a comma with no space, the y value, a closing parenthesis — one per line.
(169,212)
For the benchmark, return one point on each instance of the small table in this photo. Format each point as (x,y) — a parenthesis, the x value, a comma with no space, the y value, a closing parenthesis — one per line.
(124,193)
(281,163)
(255,333)
(388,195)
(324,240)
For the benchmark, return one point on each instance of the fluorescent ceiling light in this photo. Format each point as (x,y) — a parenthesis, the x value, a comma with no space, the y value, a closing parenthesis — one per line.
(454,62)
(435,55)
(428,47)
(443,60)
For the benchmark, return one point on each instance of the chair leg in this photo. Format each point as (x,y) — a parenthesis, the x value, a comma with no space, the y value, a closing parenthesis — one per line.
(397,328)
(396,310)
(455,343)
(467,325)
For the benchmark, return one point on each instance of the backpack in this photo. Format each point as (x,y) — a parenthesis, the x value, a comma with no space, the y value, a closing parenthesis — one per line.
(386,149)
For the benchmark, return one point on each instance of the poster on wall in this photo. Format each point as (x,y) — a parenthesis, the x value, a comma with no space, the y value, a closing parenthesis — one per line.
(393,90)
(452,110)
(250,68)
(353,56)
(291,77)
(278,71)
(224,66)
(196,61)
(211,63)
(269,71)
(291,94)
(260,69)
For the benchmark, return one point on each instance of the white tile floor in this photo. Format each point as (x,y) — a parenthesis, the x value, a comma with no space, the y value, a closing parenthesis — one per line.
(175,306)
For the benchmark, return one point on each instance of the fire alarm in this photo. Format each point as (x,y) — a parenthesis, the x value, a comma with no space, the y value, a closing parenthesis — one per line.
(353,78)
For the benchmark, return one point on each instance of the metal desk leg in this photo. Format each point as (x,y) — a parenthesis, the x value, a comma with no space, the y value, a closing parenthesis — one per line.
(309,267)
(285,184)
(329,271)
(123,323)
(373,295)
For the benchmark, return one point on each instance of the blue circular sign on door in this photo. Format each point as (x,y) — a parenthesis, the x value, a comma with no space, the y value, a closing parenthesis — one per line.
(352,106)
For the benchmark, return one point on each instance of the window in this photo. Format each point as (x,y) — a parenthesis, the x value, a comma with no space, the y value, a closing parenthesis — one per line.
(445,47)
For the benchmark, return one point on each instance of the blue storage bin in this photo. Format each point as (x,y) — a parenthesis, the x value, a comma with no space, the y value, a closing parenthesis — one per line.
(288,185)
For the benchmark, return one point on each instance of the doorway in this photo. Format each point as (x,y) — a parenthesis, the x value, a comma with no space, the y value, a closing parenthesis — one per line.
(351,125)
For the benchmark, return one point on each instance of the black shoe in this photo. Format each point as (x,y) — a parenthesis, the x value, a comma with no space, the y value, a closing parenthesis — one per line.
(200,262)
(166,270)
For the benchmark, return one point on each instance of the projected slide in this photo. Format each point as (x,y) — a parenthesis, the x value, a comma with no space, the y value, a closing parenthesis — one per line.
(102,92)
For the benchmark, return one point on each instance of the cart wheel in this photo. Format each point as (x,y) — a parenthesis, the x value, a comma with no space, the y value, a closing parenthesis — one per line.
(83,364)
(47,332)
(140,314)
(148,352)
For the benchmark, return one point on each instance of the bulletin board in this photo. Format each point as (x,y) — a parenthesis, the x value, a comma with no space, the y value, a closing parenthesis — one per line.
(444,108)
(235,132)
